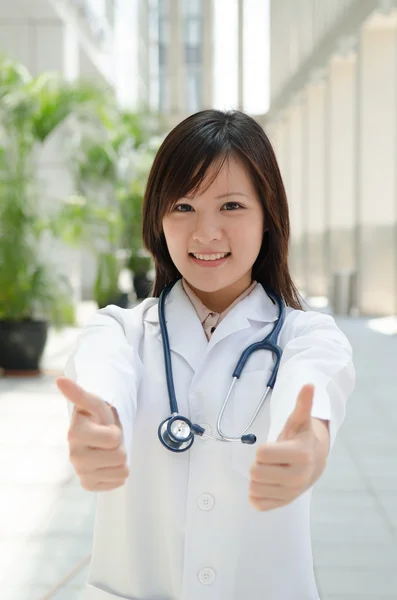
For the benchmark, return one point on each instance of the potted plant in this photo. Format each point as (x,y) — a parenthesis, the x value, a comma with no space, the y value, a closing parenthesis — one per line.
(140,266)
(131,200)
(107,167)
(32,295)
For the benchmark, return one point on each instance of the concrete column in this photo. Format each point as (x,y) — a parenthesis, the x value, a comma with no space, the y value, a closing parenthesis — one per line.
(32,35)
(176,60)
(279,139)
(240,52)
(294,191)
(342,158)
(208,54)
(315,201)
(377,147)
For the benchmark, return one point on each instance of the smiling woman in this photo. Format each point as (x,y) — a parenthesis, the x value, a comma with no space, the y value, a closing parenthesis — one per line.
(224,310)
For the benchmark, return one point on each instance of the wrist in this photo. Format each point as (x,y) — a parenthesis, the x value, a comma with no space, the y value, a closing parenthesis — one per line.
(322,447)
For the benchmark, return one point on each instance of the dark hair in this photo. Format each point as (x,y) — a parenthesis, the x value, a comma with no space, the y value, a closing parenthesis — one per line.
(208,138)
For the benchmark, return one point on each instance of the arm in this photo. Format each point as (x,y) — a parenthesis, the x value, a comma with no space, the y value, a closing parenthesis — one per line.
(106,365)
(315,351)
(321,430)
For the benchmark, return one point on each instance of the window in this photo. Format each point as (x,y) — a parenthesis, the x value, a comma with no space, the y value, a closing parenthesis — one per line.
(193,50)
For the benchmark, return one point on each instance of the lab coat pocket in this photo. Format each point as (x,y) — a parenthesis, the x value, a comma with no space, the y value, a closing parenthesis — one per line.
(94,593)
(248,393)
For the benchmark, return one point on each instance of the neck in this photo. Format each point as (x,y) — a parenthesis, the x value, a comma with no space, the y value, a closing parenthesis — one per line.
(221,299)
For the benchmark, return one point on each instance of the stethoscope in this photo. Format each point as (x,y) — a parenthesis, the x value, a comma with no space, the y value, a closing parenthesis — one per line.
(176,432)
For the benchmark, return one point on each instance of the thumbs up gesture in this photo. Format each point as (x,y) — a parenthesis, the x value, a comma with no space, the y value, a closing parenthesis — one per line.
(283,470)
(95,439)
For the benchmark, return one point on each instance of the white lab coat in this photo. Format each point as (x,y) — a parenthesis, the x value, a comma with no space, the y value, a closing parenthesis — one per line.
(181,528)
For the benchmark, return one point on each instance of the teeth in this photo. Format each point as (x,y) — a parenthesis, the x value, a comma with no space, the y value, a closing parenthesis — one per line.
(210,256)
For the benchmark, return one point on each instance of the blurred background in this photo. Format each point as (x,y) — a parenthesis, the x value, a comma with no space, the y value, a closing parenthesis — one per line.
(88,90)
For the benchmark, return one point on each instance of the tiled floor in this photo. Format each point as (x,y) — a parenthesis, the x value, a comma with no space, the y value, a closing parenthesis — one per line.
(46,519)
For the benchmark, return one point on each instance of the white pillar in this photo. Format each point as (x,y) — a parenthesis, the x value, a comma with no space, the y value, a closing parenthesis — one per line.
(279,139)
(342,158)
(295,191)
(240,51)
(32,35)
(208,54)
(376,145)
(175,65)
(315,202)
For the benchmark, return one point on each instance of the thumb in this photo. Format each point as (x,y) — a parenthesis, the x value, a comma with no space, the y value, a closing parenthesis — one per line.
(85,402)
(300,419)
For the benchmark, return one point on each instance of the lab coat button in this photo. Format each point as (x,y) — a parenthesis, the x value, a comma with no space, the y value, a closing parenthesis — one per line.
(206,576)
(206,502)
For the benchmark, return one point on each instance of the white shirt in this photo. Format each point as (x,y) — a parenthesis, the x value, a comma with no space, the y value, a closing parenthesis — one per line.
(181,528)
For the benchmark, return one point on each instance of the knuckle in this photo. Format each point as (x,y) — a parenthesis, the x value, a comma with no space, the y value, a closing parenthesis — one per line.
(121,454)
(115,436)
(260,452)
(86,484)
(296,482)
(73,455)
(255,503)
(253,472)
(72,435)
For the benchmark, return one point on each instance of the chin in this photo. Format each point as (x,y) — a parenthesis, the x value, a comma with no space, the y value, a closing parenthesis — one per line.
(210,284)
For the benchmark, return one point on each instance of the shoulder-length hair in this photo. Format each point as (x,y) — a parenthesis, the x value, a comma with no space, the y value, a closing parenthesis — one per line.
(207,139)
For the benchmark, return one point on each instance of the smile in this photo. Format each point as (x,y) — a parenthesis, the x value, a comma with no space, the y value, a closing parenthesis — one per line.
(210,260)
(210,257)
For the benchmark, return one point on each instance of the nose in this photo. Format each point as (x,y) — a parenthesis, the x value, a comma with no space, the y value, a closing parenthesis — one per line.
(207,229)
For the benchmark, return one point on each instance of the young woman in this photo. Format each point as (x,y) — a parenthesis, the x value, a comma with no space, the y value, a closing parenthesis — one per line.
(198,500)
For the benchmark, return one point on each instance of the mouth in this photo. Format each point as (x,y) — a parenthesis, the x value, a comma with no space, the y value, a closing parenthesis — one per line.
(209,260)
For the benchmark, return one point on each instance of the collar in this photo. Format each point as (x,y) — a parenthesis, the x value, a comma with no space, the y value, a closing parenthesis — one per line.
(203,312)
(184,325)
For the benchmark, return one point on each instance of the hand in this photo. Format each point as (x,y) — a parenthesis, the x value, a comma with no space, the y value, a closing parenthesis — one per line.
(95,439)
(283,470)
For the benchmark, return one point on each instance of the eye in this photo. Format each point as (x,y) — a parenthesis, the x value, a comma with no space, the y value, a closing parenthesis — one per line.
(232,205)
(182,208)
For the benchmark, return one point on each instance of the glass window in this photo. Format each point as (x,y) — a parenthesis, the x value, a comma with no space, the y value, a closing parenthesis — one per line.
(98,7)
(192,7)
(193,31)
(193,55)
(163,90)
(163,40)
(193,88)
(164,30)
(163,7)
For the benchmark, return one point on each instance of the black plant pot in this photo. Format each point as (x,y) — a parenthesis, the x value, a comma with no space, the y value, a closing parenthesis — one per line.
(121,300)
(142,286)
(22,345)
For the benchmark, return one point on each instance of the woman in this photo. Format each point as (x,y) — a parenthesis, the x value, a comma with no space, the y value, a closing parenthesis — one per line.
(213,520)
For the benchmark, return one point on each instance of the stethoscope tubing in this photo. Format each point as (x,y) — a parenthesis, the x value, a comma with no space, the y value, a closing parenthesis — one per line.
(166,431)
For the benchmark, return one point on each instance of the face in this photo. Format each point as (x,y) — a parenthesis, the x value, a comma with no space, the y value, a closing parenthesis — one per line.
(214,237)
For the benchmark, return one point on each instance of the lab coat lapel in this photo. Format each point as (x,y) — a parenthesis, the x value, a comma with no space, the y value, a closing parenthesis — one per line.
(257,307)
(185,332)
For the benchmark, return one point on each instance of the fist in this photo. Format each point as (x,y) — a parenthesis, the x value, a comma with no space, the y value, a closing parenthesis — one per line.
(95,437)
(285,469)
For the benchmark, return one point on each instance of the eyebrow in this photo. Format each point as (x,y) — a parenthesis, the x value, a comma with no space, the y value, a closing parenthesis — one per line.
(231,194)
(224,195)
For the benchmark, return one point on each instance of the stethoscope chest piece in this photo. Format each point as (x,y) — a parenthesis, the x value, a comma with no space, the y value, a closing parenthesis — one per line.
(175,433)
